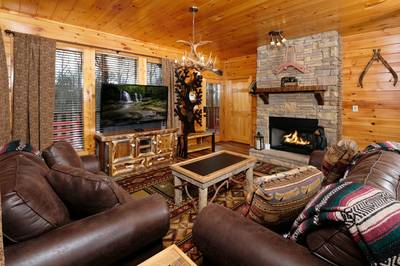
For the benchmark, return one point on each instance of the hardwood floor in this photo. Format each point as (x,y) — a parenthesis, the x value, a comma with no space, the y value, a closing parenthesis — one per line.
(233,146)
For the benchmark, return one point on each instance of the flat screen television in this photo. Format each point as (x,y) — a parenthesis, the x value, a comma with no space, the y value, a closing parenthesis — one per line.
(133,107)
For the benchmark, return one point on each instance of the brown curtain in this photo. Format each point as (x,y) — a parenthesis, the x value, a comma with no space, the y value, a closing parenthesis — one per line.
(169,80)
(5,130)
(34,88)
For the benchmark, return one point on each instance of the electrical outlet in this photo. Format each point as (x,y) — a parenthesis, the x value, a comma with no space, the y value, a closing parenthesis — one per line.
(355,108)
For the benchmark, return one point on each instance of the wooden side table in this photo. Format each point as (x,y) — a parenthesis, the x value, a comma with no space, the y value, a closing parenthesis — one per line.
(171,256)
(195,142)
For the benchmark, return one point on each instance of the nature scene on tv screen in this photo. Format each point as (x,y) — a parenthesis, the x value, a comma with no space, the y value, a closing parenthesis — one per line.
(124,105)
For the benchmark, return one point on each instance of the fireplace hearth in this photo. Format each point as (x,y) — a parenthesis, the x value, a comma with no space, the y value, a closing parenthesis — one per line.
(299,135)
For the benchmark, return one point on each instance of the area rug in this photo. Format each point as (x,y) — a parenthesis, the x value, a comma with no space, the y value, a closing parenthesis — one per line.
(183,216)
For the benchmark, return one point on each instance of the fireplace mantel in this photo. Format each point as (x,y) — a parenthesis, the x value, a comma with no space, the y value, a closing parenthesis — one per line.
(318,91)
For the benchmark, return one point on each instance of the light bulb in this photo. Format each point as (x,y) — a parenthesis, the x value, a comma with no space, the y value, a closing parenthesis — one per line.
(283,40)
(278,43)
(272,43)
(176,61)
(202,58)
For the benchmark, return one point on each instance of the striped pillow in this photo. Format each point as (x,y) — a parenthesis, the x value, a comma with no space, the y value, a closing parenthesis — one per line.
(279,198)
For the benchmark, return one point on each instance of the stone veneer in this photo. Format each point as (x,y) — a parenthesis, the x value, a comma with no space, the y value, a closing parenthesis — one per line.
(322,58)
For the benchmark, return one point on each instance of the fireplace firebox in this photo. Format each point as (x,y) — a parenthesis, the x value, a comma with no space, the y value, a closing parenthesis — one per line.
(299,135)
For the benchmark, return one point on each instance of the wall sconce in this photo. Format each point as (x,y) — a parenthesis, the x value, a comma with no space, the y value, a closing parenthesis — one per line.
(276,38)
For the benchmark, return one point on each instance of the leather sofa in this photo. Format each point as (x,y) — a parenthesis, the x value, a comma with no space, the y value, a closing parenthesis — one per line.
(225,237)
(128,233)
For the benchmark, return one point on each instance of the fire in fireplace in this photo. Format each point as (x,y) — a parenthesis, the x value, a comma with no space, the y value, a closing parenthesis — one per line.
(299,135)
(294,139)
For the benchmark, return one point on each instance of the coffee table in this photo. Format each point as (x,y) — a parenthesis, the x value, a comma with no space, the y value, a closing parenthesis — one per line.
(172,255)
(207,170)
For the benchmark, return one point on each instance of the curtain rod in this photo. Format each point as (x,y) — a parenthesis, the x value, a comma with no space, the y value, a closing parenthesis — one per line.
(10,32)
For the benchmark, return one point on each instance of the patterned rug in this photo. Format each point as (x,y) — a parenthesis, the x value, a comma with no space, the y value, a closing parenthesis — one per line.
(183,216)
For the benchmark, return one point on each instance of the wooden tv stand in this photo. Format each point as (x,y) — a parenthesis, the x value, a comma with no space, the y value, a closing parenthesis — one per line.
(121,154)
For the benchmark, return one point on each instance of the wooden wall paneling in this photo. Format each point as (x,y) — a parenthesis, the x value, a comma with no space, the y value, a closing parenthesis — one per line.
(83,36)
(378,118)
(142,65)
(89,100)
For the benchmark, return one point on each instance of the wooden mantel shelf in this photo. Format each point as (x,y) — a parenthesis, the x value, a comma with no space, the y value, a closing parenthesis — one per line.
(318,91)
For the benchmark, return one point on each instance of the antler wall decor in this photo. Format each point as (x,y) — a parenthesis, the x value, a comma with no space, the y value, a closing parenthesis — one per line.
(289,61)
(377,57)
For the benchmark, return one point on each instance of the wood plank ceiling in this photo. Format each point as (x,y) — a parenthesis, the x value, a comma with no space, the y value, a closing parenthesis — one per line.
(236,27)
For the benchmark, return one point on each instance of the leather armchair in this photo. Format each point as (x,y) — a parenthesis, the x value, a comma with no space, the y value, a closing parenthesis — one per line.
(128,233)
(101,239)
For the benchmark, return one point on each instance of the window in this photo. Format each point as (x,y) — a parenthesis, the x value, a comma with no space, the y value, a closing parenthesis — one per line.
(68,118)
(154,74)
(113,69)
(213,91)
(116,69)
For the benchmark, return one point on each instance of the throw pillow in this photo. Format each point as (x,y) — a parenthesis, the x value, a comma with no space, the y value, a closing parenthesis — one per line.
(30,206)
(83,192)
(279,198)
(337,159)
(62,152)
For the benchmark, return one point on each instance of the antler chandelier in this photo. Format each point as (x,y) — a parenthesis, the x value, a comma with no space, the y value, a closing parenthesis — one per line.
(196,59)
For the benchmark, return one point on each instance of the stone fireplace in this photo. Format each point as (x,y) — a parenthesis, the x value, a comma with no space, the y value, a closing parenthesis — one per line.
(320,54)
(298,135)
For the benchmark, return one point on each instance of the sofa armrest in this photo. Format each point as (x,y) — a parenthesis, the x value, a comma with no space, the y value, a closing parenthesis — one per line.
(226,238)
(100,239)
(316,158)
(91,163)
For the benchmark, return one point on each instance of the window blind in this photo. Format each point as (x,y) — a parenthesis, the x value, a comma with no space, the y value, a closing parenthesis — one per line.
(116,69)
(154,74)
(68,115)
(113,69)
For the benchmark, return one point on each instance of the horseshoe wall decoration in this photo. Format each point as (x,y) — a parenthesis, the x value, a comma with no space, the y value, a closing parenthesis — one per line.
(377,57)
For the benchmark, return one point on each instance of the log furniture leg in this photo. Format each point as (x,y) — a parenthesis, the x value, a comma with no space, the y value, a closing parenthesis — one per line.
(178,192)
(249,184)
(203,193)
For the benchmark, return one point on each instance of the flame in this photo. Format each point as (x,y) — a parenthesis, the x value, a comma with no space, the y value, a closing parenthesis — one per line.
(293,138)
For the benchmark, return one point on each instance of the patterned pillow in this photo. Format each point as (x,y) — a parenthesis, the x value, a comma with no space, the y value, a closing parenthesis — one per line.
(337,158)
(279,198)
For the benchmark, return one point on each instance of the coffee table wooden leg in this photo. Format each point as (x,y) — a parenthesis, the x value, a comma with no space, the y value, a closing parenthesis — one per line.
(178,192)
(203,193)
(249,184)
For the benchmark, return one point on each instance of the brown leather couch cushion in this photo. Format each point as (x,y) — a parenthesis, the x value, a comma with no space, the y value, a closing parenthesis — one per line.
(380,169)
(62,153)
(83,192)
(30,206)
(335,245)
